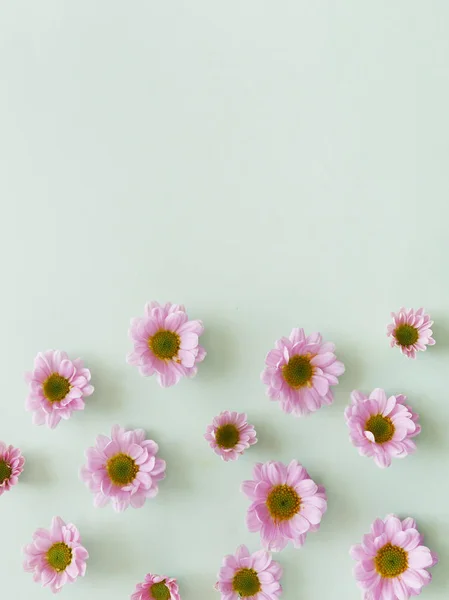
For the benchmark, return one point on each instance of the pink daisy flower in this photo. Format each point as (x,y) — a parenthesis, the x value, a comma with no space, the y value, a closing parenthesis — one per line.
(123,469)
(230,435)
(382,427)
(392,563)
(166,343)
(246,575)
(156,587)
(300,372)
(11,466)
(410,331)
(57,387)
(286,504)
(56,556)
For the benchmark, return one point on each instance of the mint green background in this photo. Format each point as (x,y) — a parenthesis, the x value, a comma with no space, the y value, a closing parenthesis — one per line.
(270,165)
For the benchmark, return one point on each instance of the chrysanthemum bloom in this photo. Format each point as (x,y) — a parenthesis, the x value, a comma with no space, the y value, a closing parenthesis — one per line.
(382,427)
(11,465)
(57,387)
(392,563)
(410,331)
(230,435)
(166,343)
(156,587)
(123,469)
(246,575)
(286,504)
(56,556)
(300,372)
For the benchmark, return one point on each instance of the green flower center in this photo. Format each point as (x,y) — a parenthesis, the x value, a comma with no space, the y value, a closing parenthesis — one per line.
(164,344)
(121,469)
(159,591)
(283,503)
(298,371)
(391,561)
(406,335)
(381,427)
(56,387)
(227,436)
(59,556)
(246,583)
(5,471)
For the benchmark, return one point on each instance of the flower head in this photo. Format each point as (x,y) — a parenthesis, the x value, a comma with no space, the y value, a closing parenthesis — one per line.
(11,466)
(391,561)
(123,468)
(410,331)
(300,372)
(286,504)
(382,427)
(56,556)
(157,587)
(246,575)
(57,387)
(166,343)
(230,435)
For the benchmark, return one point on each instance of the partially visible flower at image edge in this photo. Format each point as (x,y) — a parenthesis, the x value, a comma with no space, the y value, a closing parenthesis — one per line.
(11,466)
(230,435)
(300,372)
(245,575)
(392,562)
(157,587)
(123,469)
(166,343)
(410,331)
(56,556)
(57,387)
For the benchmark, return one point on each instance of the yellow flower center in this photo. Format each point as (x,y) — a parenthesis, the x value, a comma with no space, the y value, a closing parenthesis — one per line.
(391,561)
(381,427)
(56,387)
(165,344)
(121,469)
(227,436)
(59,556)
(159,591)
(298,371)
(283,503)
(5,471)
(406,335)
(246,583)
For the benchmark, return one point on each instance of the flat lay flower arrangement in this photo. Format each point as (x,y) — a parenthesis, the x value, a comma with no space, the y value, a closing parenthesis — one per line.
(123,467)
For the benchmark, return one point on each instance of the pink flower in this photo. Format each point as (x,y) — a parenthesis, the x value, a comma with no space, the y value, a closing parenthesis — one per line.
(11,465)
(157,587)
(166,343)
(57,387)
(300,372)
(230,435)
(380,427)
(286,504)
(410,331)
(246,575)
(123,469)
(392,563)
(56,556)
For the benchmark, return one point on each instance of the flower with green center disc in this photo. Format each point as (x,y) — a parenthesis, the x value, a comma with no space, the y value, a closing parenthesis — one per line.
(406,335)
(283,503)
(159,591)
(165,344)
(59,556)
(391,561)
(5,471)
(121,469)
(227,436)
(298,371)
(246,583)
(56,387)
(381,427)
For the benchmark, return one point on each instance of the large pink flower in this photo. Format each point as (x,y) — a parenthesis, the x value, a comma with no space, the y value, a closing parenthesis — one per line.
(382,427)
(56,556)
(392,563)
(244,575)
(11,466)
(286,504)
(230,435)
(123,469)
(166,343)
(410,331)
(57,386)
(300,372)
(157,587)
